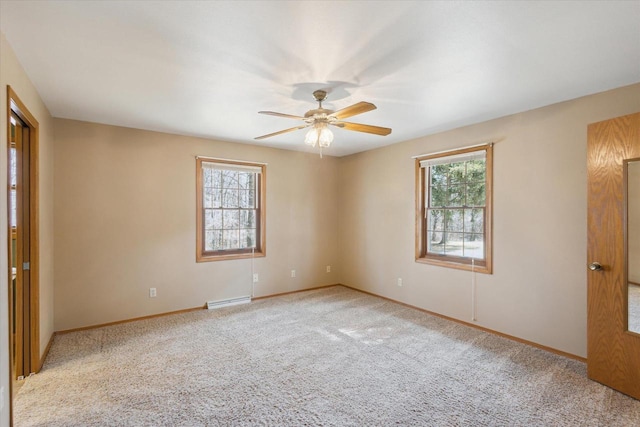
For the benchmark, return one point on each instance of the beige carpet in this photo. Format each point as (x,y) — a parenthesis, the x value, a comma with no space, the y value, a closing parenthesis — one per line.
(329,357)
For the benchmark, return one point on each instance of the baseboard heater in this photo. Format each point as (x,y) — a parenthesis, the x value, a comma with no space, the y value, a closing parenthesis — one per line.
(228,302)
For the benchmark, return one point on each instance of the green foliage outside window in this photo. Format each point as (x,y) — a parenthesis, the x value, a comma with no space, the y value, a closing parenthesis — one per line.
(456,208)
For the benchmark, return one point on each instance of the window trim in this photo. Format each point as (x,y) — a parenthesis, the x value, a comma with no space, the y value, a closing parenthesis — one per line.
(461,263)
(261,235)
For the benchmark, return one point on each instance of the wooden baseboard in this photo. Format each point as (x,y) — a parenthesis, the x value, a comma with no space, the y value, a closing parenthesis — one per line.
(46,352)
(482,328)
(135,319)
(295,292)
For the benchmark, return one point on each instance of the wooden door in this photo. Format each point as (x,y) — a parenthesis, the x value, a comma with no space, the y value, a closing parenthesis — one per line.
(19,247)
(613,353)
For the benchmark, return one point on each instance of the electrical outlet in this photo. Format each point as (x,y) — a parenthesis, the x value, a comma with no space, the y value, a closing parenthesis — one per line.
(399,281)
(328,269)
(255,278)
(152,293)
(1,398)
(293,273)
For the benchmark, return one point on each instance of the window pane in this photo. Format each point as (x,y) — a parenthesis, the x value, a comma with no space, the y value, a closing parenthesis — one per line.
(474,246)
(230,239)
(435,242)
(208,241)
(454,220)
(208,197)
(247,199)
(229,179)
(213,240)
(208,219)
(242,198)
(247,238)
(476,171)
(247,219)
(231,219)
(207,175)
(438,196)
(229,198)
(217,178)
(457,173)
(217,219)
(217,198)
(246,180)
(476,194)
(453,244)
(456,195)
(439,174)
(474,220)
(435,220)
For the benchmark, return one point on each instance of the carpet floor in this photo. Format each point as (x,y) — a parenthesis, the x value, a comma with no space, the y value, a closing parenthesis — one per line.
(327,357)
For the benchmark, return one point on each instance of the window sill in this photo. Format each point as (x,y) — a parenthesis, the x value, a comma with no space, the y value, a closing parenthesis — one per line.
(226,257)
(455,264)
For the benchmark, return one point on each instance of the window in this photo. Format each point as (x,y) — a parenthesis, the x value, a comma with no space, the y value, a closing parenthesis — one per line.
(230,209)
(453,209)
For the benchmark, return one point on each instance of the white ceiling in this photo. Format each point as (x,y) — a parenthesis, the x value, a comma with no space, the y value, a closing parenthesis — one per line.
(205,68)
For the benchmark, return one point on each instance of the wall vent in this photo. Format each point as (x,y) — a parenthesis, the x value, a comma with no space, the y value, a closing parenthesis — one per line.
(228,302)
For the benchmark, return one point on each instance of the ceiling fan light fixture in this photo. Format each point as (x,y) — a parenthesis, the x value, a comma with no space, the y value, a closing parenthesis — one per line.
(319,135)
(325,138)
(311,138)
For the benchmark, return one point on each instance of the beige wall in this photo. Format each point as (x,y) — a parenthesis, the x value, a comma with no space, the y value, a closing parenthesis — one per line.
(634,222)
(538,289)
(125,222)
(11,73)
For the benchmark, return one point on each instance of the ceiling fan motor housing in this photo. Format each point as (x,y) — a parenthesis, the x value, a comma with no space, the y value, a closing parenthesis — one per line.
(318,113)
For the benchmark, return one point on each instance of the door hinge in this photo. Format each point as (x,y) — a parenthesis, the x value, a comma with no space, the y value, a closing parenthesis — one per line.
(26,266)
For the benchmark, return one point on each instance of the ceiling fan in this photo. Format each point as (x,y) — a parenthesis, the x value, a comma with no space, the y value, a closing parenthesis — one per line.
(320,118)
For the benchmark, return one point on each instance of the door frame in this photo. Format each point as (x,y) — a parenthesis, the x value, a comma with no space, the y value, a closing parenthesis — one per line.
(17,107)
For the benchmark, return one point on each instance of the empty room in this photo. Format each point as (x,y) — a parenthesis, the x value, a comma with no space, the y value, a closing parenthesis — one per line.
(320,213)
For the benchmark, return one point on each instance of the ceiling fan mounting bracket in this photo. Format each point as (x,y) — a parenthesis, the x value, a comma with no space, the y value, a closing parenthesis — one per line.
(320,95)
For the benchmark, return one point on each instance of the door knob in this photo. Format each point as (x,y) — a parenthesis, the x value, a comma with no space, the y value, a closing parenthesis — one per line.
(595,266)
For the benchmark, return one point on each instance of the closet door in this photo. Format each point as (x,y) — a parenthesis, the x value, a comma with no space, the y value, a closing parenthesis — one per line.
(613,350)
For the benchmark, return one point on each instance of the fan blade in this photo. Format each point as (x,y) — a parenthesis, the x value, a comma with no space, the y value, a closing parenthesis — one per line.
(282,131)
(288,116)
(359,108)
(377,130)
